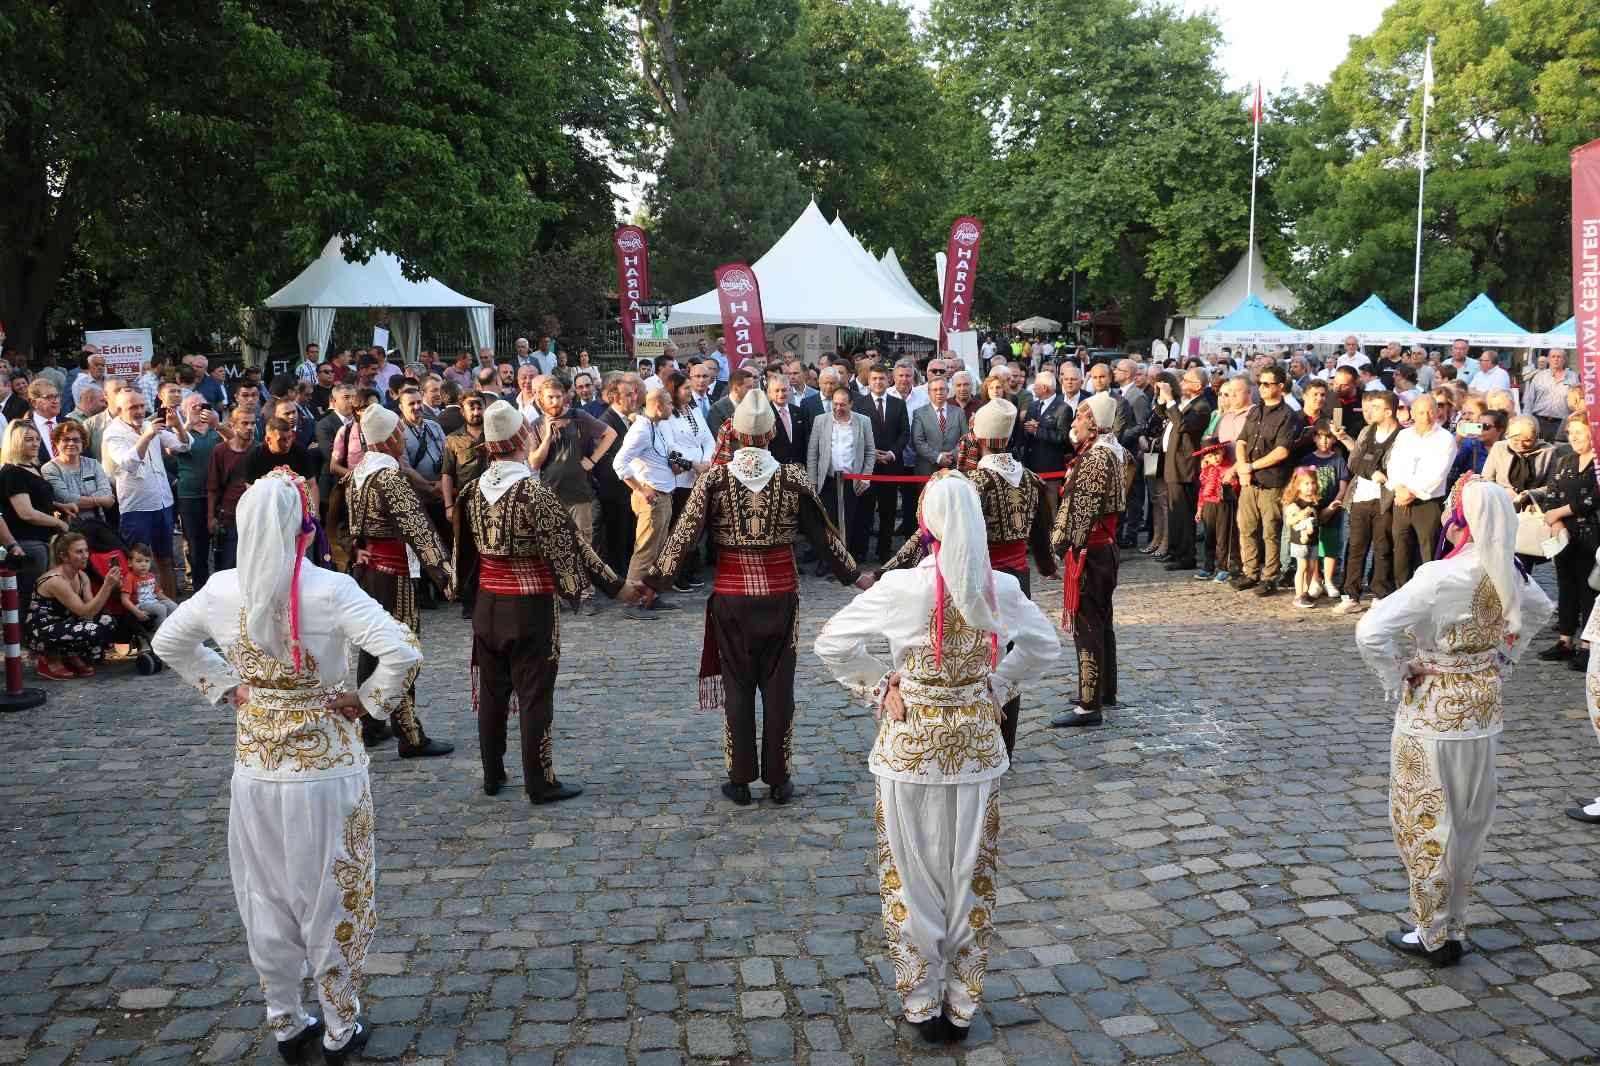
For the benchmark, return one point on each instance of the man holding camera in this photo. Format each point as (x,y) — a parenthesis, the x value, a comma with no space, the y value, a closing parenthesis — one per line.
(644,463)
(133,447)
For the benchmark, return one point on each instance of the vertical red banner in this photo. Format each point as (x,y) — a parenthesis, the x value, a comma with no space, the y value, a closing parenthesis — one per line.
(743,327)
(1586,273)
(960,273)
(633,276)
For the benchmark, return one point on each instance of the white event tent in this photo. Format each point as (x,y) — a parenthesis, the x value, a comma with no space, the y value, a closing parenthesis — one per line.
(1229,295)
(332,283)
(819,275)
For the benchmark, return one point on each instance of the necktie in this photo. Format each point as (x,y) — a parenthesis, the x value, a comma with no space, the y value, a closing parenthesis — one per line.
(788,429)
(881,416)
(941,424)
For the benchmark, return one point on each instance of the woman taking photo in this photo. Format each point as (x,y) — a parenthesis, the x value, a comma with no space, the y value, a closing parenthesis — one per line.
(66,629)
(27,507)
(691,439)
(1572,499)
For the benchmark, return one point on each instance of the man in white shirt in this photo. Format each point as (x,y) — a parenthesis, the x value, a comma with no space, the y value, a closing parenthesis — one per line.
(1465,369)
(1490,375)
(305,371)
(527,401)
(641,464)
(1352,356)
(1419,475)
(133,450)
(1545,395)
(988,350)
(94,373)
(45,400)
(720,357)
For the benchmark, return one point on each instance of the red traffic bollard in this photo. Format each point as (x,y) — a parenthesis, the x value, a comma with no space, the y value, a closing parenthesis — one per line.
(15,697)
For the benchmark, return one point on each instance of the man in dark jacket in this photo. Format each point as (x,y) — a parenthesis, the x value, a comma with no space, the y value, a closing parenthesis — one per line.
(1187,418)
(891,430)
(790,430)
(1047,442)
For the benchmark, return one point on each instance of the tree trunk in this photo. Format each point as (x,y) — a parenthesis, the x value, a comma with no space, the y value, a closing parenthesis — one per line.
(35,245)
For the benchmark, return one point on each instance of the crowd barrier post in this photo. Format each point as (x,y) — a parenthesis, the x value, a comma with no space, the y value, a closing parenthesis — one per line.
(15,697)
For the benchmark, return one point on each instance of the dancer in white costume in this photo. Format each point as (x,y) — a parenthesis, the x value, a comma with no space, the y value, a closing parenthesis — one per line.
(1470,614)
(939,752)
(1590,812)
(300,825)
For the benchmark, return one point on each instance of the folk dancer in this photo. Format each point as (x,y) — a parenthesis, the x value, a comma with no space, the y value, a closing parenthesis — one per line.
(756,508)
(1470,614)
(394,542)
(1086,534)
(1018,512)
(528,552)
(1590,812)
(300,817)
(939,755)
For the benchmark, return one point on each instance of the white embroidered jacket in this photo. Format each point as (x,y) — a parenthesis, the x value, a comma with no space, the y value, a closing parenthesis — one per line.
(949,736)
(1451,610)
(285,731)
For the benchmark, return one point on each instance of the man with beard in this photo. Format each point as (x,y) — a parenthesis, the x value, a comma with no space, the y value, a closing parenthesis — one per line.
(463,462)
(529,552)
(756,508)
(568,445)
(1086,533)
(1018,512)
(390,529)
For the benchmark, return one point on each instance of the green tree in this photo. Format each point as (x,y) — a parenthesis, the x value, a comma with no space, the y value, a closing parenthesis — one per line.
(1111,146)
(722,193)
(1514,93)
(193,157)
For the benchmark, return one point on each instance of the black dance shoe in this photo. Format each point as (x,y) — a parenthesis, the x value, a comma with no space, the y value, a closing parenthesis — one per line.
(782,793)
(1578,814)
(556,793)
(1448,954)
(1073,719)
(1555,653)
(958,1033)
(357,1042)
(740,794)
(492,784)
(934,1031)
(428,749)
(294,1048)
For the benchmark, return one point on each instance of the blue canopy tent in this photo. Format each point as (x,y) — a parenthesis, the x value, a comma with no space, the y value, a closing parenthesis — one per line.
(1370,322)
(1250,323)
(1482,323)
(1562,336)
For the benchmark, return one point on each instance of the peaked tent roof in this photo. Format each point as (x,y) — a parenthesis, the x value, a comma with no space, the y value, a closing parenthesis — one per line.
(1562,336)
(891,263)
(1250,323)
(333,281)
(1481,322)
(1226,296)
(811,276)
(1371,321)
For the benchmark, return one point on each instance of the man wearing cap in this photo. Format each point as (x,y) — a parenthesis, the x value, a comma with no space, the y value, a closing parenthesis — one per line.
(756,508)
(392,536)
(529,551)
(1018,512)
(1086,533)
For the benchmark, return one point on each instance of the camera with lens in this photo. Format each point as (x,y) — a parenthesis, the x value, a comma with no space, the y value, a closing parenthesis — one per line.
(678,463)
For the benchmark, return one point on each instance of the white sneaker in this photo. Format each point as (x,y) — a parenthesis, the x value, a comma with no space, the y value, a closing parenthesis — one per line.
(1314,590)
(1346,605)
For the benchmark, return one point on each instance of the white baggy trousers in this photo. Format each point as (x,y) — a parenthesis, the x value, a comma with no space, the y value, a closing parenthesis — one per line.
(1441,806)
(302,854)
(937,846)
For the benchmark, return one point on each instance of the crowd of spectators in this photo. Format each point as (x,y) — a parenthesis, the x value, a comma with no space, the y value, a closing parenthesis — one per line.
(1260,471)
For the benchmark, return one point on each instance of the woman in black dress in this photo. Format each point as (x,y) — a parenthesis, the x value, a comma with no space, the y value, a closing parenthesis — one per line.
(1572,499)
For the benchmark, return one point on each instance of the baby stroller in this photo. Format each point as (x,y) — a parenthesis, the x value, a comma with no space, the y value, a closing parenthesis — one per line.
(129,630)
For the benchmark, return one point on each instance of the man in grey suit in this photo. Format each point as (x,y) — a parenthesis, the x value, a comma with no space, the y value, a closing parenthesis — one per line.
(841,442)
(936,429)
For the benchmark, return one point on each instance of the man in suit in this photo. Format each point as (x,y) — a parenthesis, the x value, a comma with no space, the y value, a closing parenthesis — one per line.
(799,390)
(891,431)
(1187,417)
(1072,394)
(341,410)
(1047,446)
(841,443)
(1126,377)
(789,432)
(702,378)
(739,381)
(819,401)
(936,429)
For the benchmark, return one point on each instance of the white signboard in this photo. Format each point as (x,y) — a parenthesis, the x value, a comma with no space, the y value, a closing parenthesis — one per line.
(125,350)
(380,338)
(965,344)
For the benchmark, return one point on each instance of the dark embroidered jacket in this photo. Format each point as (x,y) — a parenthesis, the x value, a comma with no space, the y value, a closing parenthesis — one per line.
(1094,488)
(528,522)
(386,507)
(1025,511)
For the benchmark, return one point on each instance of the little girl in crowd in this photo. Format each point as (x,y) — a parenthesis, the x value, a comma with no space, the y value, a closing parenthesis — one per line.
(140,595)
(1300,505)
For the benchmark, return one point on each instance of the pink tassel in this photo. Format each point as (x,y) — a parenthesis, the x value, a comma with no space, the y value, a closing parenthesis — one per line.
(938,610)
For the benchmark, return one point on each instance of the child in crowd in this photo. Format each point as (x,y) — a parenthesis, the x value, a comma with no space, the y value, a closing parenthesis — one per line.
(140,594)
(1328,463)
(1300,512)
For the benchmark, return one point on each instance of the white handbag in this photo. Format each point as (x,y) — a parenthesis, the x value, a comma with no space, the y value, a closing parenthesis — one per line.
(1536,538)
(1152,462)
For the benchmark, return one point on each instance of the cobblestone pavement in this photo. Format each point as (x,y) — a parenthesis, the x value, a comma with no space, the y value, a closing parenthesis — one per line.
(1205,879)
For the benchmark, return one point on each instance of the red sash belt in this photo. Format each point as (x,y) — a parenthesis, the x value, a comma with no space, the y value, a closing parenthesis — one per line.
(1009,555)
(1102,534)
(388,556)
(755,571)
(515,577)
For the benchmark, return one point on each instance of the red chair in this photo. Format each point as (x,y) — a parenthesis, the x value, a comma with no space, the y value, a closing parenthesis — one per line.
(129,628)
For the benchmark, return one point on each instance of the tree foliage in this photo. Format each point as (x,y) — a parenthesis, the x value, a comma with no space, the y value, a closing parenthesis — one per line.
(722,193)
(1514,93)
(192,157)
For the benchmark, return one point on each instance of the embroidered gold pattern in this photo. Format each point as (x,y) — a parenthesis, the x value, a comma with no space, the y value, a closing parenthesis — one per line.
(355,872)
(1482,630)
(1094,487)
(1010,512)
(528,522)
(910,968)
(1416,805)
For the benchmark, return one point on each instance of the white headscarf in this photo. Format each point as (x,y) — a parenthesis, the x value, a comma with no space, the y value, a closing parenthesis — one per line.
(1492,519)
(273,534)
(952,514)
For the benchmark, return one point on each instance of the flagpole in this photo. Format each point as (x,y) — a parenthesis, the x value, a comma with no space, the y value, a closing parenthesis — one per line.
(1255,155)
(1422,177)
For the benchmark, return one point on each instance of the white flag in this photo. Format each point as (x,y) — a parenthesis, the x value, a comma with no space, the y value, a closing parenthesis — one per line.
(1427,76)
